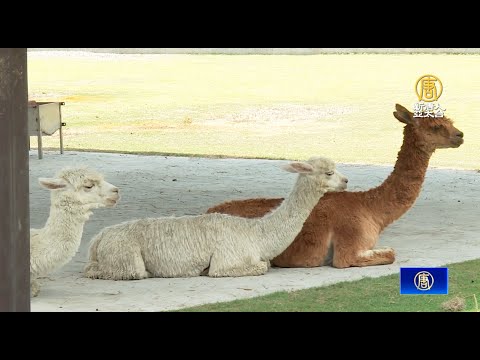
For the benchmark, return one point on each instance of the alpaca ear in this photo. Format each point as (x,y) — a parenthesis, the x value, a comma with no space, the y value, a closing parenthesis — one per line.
(52,183)
(404,116)
(298,167)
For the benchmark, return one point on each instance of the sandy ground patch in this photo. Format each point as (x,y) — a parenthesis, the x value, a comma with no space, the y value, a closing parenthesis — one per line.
(442,227)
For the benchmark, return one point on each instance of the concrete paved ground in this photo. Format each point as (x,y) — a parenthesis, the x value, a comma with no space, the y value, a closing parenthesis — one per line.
(443,227)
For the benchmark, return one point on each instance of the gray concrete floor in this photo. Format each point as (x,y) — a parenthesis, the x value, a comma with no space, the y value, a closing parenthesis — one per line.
(443,226)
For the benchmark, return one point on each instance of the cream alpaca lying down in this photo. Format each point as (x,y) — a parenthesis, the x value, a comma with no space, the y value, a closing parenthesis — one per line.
(227,245)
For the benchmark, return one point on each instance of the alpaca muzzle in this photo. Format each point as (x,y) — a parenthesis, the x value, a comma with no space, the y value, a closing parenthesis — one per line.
(112,201)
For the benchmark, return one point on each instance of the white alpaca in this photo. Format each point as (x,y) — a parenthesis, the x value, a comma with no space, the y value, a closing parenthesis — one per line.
(74,192)
(227,245)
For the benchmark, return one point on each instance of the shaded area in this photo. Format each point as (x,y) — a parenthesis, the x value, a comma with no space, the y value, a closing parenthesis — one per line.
(441,228)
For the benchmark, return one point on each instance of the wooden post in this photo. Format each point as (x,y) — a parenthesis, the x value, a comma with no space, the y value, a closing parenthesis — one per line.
(14,182)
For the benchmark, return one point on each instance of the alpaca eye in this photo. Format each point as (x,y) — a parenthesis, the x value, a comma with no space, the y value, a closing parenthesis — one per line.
(88,186)
(437,127)
(330,173)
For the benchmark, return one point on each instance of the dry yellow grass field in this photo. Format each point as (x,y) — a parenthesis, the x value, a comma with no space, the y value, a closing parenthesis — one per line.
(261,106)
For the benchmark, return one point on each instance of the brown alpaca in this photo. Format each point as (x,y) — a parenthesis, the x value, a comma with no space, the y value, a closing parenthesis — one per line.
(351,222)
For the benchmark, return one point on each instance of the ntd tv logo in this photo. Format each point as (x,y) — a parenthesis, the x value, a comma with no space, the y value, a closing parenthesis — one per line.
(423,281)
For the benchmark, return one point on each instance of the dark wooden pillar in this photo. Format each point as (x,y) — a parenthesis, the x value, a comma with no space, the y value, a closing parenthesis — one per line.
(14,192)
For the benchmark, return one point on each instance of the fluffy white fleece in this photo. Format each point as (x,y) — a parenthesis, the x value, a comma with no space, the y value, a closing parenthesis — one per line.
(74,192)
(228,245)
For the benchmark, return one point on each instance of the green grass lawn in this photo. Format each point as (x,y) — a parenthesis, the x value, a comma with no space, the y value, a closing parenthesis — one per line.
(366,295)
(260,106)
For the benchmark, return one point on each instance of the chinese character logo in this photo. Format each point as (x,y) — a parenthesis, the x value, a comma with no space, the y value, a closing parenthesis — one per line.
(423,281)
(423,110)
(428,88)
(420,281)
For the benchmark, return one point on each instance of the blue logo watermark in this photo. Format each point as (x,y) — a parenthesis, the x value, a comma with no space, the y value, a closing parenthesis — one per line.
(424,281)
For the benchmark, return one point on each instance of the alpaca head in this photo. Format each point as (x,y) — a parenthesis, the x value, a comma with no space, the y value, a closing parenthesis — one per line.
(433,133)
(81,186)
(321,172)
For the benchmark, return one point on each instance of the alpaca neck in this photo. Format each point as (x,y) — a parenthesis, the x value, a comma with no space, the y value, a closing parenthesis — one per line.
(279,228)
(400,190)
(65,222)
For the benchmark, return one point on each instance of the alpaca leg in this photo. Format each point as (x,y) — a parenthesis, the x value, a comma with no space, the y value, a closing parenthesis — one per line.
(375,257)
(34,288)
(354,246)
(365,258)
(125,263)
(137,267)
(259,268)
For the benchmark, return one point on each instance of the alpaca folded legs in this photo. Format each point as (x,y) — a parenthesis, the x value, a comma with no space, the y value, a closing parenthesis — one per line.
(382,256)
(259,268)
(127,264)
